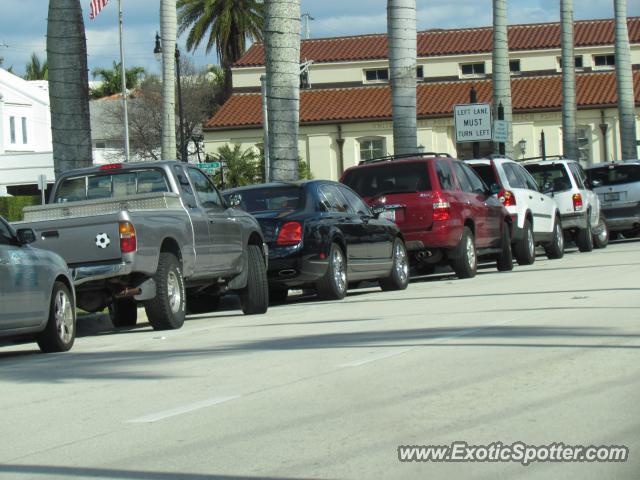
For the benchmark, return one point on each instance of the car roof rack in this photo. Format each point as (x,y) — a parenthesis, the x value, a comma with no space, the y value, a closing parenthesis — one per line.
(389,158)
(546,157)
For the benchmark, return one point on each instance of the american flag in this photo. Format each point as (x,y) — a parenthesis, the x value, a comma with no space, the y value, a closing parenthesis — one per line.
(96,7)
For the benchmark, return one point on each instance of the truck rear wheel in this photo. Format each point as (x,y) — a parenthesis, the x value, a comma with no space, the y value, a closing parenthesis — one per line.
(525,249)
(123,312)
(167,310)
(254,298)
(601,234)
(504,262)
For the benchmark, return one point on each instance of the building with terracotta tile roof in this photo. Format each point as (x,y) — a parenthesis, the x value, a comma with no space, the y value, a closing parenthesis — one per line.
(345,111)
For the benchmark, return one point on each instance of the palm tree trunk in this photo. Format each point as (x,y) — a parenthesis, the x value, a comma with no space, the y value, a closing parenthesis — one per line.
(401,31)
(68,86)
(501,73)
(569,126)
(282,57)
(626,104)
(168,28)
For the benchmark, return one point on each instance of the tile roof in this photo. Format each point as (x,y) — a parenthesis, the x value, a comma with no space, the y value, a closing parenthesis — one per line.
(434,100)
(451,42)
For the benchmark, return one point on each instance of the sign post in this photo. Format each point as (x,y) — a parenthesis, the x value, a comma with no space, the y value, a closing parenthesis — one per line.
(473,122)
(42,186)
(209,167)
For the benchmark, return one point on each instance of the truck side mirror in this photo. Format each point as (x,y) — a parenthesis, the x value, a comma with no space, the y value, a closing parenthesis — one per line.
(25,236)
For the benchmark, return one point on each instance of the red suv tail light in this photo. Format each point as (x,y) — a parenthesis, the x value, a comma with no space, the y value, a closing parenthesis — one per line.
(507,198)
(441,209)
(577,202)
(128,242)
(290,234)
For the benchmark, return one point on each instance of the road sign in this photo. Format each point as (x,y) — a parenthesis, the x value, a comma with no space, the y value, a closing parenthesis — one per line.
(209,167)
(473,122)
(500,131)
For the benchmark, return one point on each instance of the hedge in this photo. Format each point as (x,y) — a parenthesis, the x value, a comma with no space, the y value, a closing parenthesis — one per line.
(11,207)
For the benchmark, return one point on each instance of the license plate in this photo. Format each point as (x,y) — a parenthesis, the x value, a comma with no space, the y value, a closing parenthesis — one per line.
(611,197)
(388,215)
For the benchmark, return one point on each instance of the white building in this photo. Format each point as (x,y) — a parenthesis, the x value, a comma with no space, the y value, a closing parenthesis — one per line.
(25,133)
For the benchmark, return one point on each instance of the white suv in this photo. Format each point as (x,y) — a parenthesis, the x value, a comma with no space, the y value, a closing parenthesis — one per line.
(579,206)
(536,219)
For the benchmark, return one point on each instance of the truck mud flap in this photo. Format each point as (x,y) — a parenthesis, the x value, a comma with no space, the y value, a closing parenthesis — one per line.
(240,281)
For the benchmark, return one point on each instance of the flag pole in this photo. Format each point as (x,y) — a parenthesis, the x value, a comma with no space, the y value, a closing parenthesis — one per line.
(124,87)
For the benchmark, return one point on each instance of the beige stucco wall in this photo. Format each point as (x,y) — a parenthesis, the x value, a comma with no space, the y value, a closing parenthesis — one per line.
(434,67)
(318,145)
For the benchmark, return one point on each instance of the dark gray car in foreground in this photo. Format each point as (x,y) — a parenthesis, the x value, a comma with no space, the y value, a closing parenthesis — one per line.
(36,292)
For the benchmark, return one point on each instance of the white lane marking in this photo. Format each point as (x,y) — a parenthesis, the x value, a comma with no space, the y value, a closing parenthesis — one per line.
(173,412)
(381,356)
(373,358)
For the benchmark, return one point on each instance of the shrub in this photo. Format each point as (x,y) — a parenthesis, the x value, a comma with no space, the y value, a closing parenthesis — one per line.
(11,207)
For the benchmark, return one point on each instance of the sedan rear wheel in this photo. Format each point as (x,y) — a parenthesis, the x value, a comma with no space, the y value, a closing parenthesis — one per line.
(399,277)
(60,331)
(333,285)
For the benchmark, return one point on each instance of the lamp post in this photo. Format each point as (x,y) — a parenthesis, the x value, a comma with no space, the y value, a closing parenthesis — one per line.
(157,52)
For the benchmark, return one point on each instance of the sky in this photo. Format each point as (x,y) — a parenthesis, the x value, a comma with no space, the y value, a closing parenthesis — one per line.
(23,24)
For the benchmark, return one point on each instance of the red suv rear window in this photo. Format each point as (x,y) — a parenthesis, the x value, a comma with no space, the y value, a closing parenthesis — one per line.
(389,178)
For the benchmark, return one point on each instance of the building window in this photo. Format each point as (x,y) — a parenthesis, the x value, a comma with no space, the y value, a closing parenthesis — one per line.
(371,148)
(101,145)
(419,72)
(604,61)
(377,75)
(472,69)
(514,66)
(577,59)
(12,129)
(24,131)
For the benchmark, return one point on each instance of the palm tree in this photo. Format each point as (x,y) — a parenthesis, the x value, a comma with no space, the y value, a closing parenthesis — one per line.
(624,79)
(282,59)
(501,73)
(401,31)
(168,34)
(569,127)
(112,79)
(34,70)
(227,24)
(241,167)
(68,86)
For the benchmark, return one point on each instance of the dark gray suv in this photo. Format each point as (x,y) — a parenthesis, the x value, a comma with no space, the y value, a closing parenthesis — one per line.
(36,292)
(618,187)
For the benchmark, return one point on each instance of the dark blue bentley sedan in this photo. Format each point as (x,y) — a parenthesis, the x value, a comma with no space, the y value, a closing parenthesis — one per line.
(322,235)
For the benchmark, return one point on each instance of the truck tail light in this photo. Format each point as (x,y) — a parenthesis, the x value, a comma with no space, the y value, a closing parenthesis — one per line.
(111,166)
(577,202)
(441,209)
(290,234)
(128,242)
(507,198)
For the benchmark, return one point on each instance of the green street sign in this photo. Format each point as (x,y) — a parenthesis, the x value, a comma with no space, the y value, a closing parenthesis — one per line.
(208,165)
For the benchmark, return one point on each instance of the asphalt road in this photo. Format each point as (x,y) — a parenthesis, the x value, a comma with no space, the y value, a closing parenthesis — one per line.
(546,353)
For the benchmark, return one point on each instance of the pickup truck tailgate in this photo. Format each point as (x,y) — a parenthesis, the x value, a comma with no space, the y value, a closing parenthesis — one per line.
(80,240)
(88,231)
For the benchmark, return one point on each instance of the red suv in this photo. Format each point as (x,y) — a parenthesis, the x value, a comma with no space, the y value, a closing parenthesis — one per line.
(444,210)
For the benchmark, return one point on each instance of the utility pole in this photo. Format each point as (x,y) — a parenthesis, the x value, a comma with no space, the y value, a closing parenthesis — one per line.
(124,86)
(307,31)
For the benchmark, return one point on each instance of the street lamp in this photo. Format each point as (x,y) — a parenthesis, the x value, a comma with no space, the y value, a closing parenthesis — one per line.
(157,52)
(523,147)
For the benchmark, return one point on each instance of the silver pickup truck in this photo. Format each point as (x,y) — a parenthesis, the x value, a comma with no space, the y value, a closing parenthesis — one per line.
(157,234)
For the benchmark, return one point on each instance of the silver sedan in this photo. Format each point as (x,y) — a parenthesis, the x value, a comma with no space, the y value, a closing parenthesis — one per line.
(37,299)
